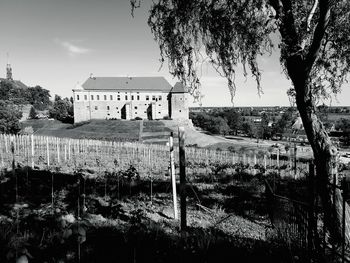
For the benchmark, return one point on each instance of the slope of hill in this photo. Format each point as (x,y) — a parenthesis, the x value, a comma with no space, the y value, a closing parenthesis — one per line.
(96,129)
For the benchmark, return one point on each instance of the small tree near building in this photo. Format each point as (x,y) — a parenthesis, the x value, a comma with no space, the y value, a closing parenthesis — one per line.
(33,113)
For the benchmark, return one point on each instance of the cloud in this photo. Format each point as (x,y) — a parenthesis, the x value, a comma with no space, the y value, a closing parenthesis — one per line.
(73,49)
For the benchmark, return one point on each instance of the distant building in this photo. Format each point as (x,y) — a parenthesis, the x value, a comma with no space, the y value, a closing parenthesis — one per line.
(129,98)
(9,78)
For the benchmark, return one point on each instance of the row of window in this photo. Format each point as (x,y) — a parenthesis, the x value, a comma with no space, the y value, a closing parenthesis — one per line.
(108,108)
(133,97)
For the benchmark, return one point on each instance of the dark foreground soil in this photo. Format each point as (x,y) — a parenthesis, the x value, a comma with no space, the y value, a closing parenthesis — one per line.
(81,217)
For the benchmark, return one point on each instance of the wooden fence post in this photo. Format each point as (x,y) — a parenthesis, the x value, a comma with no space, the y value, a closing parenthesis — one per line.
(58,150)
(311,212)
(32,150)
(172,174)
(182,159)
(47,152)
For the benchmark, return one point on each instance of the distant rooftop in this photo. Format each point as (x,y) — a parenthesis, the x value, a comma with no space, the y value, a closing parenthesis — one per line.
(179,88)
(127,83)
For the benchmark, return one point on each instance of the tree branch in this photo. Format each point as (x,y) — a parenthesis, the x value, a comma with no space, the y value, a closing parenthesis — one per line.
(319,34)
(277,5)
(309,18)
(288,30)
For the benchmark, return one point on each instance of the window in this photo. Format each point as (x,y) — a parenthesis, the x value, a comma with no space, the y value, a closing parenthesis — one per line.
(92,97)
(135,107)
(159,112)
(153,97)
(179,110)
(160,105)
(77,97)
(85,97)
(135,112)
(160,97)
(105,97)
(111,97)
(98,97)
(147,97)
(126,97)
(107,107)
(132,97)
(138,97)
(96,108)
(118,97)
(116,107)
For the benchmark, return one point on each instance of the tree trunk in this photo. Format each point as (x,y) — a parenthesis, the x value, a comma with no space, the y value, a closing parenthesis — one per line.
(325,156)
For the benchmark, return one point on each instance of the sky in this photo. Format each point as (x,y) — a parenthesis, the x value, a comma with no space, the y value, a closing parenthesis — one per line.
(58,43)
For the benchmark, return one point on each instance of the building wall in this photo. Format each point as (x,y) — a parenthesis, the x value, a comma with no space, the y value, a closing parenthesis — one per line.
(119,104)
(179,106)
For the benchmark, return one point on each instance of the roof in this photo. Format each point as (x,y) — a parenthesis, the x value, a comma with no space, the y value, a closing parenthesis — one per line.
(179,88)
(127,83)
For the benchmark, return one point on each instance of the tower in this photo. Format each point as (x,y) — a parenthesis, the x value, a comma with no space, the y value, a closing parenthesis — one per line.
(178,102)
(8,69)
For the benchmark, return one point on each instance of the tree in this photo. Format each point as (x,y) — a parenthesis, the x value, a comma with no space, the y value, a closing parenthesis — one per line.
(234,120)
(32,113)
(248,129)
(210,123)
(62,110)
(39,97)
(9,117)
(344,126)
(285,121)
(314,42)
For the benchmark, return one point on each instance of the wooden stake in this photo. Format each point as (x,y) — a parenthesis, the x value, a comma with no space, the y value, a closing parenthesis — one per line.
(47,152)
(58,150)
(32,144)
(182,159)
(172,174)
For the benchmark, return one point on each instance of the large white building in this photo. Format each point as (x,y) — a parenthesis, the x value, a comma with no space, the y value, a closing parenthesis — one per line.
(129,98)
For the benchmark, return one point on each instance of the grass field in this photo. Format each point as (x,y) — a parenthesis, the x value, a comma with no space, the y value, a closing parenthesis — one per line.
(97,129)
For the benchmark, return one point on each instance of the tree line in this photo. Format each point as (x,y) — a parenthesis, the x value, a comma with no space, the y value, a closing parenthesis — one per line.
(14,97)
(232,122)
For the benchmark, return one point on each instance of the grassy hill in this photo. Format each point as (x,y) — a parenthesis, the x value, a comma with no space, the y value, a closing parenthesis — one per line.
(96,129)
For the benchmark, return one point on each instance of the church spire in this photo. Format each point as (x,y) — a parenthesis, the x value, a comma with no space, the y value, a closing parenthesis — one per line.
(8,69)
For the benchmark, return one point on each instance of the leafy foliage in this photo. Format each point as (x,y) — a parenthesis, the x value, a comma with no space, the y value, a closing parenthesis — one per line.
(39,97)
(9,117)
(36,96)
(62,110)
(210,123)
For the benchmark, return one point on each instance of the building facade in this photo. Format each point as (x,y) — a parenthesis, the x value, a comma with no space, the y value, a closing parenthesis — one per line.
(129,98)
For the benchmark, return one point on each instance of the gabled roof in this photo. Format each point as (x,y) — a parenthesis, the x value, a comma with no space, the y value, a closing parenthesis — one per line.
(179,88)
(127,83)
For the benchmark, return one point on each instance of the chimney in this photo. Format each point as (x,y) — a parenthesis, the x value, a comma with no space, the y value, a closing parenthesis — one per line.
(91,75)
